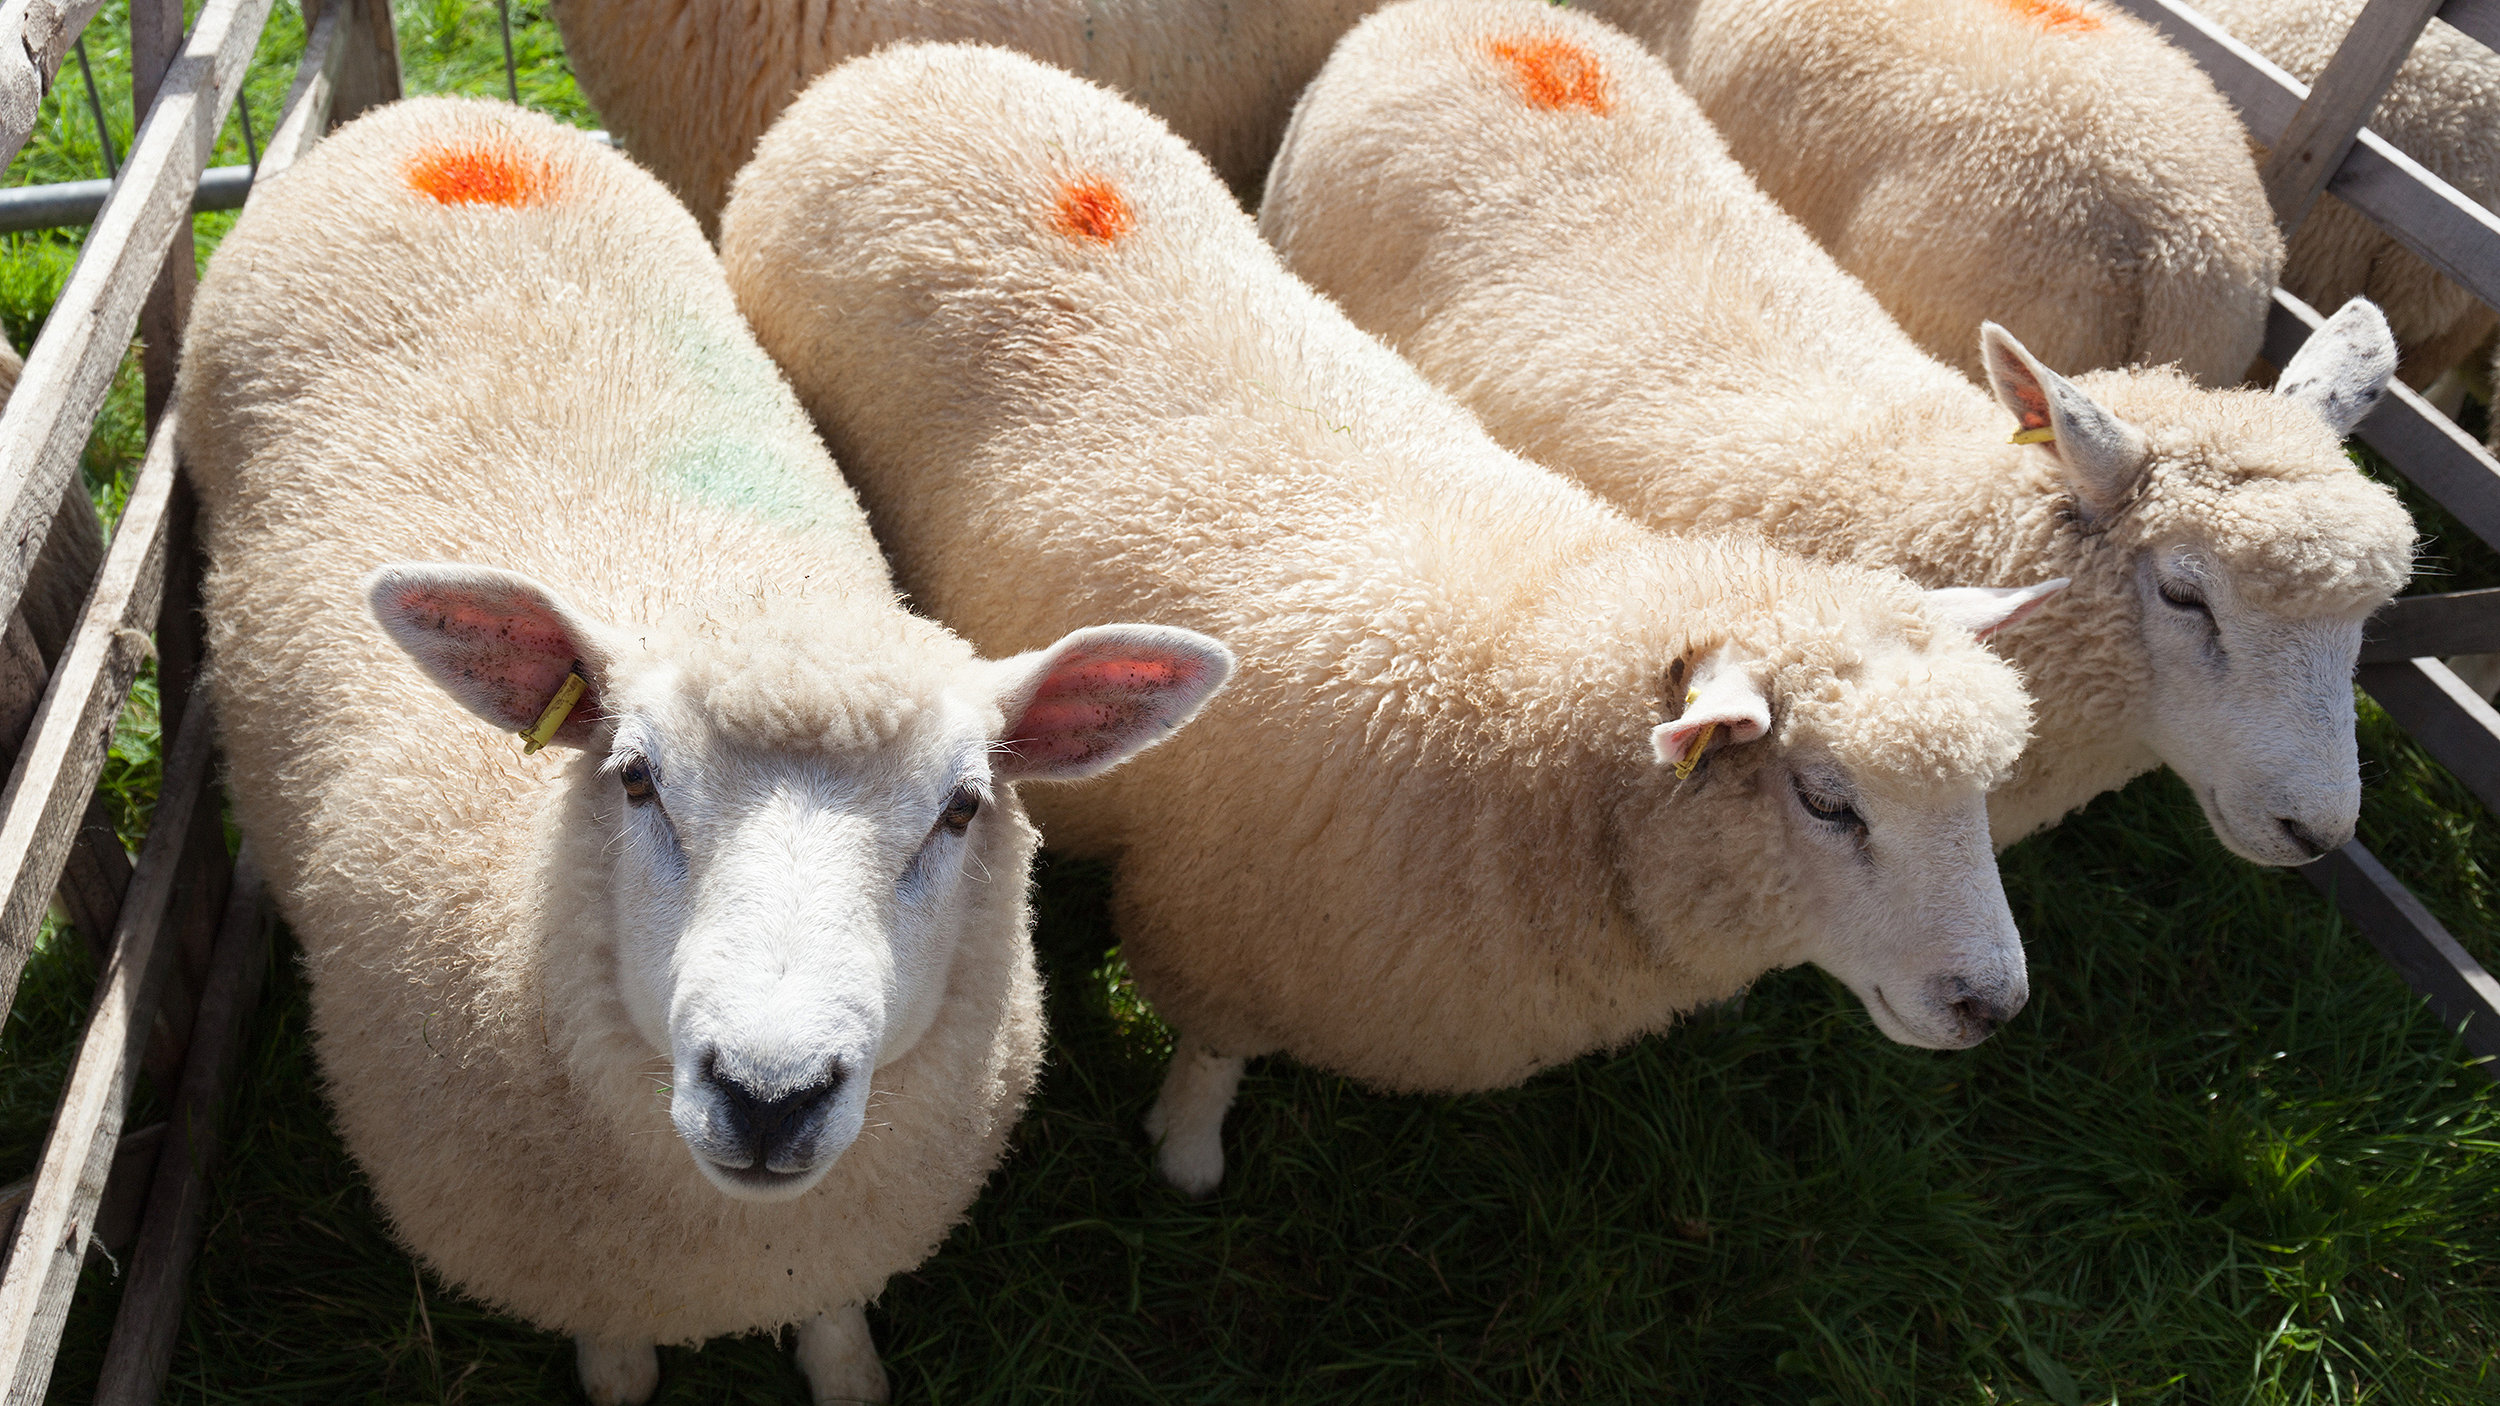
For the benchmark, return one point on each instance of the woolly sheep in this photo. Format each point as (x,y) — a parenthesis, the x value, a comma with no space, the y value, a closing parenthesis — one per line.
(600,1026)
(2443,110)
(1524,203)
(2051,164)
(689,85)
(1430,837)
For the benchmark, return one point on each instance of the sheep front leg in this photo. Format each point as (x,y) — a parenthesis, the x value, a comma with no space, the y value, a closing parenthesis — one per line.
(840,1359)
(1187,1121)
(615,1371)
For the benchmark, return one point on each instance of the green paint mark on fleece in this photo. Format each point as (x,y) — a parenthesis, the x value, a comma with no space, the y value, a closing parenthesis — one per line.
(757,453)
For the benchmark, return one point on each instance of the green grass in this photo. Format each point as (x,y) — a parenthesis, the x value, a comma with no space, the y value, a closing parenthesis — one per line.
(2224,1156)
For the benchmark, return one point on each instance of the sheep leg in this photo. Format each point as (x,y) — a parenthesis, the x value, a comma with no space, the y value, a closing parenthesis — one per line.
(1187,1121)
(840,1359)
(616,1371)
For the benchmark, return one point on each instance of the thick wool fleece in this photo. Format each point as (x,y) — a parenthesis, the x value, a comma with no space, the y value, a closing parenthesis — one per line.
(1605,288)
(2443,110)
(509,347)
(1422,838)
(689,85)
(2049,165)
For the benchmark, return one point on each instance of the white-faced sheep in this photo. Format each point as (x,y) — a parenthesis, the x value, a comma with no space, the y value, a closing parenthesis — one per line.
(689,85)
(1439,833)
(717,1014)
(2443,110)
(1524,203)
(2051,164)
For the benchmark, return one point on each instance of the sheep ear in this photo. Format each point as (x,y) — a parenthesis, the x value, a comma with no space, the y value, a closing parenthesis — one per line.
(1984,610)
(2343,369)
(2102,455)
(497,641)
(1725,707)
(1100,696)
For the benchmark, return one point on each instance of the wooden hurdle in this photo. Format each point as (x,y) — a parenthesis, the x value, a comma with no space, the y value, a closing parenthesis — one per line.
(187,932)
(2317,143)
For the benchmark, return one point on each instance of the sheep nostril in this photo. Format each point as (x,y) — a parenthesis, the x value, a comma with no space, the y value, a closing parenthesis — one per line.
(2302,838)
(1977,1016)
(763,1121)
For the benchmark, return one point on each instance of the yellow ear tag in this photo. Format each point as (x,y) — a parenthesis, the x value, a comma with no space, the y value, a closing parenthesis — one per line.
(2042,435)
(560,707)
(1692,758)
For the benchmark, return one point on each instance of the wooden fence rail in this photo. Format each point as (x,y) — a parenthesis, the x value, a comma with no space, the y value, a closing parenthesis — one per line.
(2318,143)
(187,936)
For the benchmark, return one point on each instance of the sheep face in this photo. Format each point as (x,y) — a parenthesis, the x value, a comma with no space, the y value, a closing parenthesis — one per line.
(2247,551)
(786,917)
(1870,788)
(793,818)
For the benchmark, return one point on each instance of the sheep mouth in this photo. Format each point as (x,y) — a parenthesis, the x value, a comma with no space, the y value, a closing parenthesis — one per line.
(758,1182)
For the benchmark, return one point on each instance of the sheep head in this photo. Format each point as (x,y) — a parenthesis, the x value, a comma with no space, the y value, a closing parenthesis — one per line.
(794,817)
(1817,791)
(2232,532)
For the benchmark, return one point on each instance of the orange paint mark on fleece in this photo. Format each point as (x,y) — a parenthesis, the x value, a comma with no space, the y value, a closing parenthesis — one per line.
(481,173)
(2055,16)
(1555,73)
(1092,208)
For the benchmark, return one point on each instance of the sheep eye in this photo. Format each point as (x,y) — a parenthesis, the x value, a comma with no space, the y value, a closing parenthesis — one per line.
(960,808)
(1831,810)
(2185,597)
(635,777)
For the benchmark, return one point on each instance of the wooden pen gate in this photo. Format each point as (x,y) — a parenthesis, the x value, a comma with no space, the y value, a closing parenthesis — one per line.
(180,936)
(2317,143)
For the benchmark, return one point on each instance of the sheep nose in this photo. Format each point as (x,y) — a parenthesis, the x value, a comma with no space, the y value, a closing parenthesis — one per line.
(772,1123)
(2309,842)
(1980,1010)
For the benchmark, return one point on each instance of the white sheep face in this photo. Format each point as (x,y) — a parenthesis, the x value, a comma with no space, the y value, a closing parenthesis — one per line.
(2252,708)
(798,828)
(1898,881)
(2248,697)
(786,922)
(1916,922)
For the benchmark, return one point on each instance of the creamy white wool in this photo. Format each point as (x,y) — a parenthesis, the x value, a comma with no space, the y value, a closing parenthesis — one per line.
(2049,165)
(538,367)
(689,85)
(1423,838)
(1604,286)
(2443,110)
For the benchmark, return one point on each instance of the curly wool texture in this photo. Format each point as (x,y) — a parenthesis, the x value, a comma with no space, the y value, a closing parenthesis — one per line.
(2084,187)
(559,386)
(1731,374)
(1422,837)
(690,85)
(2443,110)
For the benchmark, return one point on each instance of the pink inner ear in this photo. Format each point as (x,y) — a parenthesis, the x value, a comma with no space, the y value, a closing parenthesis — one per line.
(1092,704)
(509,655)
(2031,399)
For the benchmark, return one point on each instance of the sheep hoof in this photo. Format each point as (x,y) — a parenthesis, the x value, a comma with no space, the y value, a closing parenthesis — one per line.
(1187,1121)
(616,1373)
(840,1359)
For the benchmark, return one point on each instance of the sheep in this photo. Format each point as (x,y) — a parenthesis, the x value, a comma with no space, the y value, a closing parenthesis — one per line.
(2442,110)
(718,1015)
(1602,284)
(1503,777)
(2051,164)
(689,85)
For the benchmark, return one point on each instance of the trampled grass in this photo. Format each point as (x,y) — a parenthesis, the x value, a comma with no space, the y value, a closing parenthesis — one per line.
(2223,1157)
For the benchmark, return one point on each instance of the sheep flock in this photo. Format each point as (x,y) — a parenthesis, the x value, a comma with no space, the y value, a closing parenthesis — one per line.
(1502,525)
